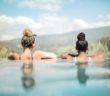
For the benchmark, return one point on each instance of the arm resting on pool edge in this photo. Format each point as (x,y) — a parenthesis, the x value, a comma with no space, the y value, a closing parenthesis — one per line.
(67,56)
(39,55)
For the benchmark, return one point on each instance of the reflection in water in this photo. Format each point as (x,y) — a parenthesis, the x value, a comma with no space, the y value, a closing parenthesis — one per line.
(27,78)
(81,73)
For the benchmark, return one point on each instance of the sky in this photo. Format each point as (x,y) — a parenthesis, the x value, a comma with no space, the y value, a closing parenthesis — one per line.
(51,16)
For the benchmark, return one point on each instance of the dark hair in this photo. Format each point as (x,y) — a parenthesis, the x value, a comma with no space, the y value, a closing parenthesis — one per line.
(27,39)
(11,57)
(27,42)
(81,43)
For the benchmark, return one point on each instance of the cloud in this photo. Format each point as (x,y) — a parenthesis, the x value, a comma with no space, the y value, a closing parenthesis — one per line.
(79,24)
(45,5)
(102,20)
(12,27)
(6,37)
(54,24)
(62,24)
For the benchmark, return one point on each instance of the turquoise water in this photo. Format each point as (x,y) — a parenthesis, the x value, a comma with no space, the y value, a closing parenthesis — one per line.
(55,79)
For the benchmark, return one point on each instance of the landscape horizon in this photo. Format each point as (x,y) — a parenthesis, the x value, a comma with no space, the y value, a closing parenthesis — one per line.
(63,43)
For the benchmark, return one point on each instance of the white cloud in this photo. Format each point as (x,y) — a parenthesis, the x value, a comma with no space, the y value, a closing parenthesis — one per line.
(79,24)
(6,37)
(102,20)
(45,24)
(14,26)
(45,5)
(54,24)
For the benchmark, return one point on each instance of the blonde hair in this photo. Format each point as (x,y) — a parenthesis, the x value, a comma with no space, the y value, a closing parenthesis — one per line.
(28,39)
(27,32)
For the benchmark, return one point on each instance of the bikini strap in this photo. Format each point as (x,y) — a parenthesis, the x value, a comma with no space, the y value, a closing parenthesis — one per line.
(89,58)
(75,59)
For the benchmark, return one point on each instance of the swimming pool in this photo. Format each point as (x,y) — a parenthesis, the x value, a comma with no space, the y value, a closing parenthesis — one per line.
(56,79)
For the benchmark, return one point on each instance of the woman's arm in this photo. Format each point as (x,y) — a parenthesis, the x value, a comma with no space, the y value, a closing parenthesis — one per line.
(44,55)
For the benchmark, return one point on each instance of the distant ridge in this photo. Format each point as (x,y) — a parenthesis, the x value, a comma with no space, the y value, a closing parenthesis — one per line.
(58,40)
(70,38)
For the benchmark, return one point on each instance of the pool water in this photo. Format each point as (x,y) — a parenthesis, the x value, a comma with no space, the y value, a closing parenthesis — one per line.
(56,79)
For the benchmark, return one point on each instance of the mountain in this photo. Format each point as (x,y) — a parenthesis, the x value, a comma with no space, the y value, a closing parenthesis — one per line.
(70,38)
(48,42)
